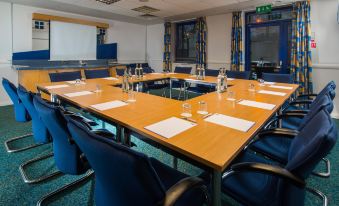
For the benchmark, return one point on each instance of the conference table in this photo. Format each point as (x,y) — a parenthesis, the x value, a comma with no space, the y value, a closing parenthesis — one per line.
(207,145)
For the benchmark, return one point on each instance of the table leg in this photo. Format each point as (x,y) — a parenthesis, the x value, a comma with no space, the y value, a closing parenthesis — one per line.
(185,91)
(127,137)
(170,88)
(216,188)
(119,133)
(280,120)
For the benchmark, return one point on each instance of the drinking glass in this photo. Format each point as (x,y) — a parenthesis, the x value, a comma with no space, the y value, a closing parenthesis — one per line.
(251,87)
(77,82)
(98,88)
(186,110)
(131,96)
(261,82)
(202,108)
(231,96)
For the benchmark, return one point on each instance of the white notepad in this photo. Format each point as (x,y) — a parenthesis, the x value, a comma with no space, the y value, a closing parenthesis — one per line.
(260,105)
(77,94)
(269,83)
(111,78)
(231,122)
(280,87)
(109,105)
(57,86)
(74,82)
(271,93)
(170,127)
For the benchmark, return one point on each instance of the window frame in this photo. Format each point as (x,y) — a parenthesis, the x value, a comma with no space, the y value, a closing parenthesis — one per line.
(183,59)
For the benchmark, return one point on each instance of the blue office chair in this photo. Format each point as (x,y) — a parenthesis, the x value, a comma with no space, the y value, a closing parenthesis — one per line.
(40,134)
(180,84)
(147,70)
(277,147)
(64,76)
(119,71)
(97,73)
(67,156)
(274,77)
(129,178)
(254,180)
(238,74)
(331,86)
(203,89)
(145,65)
(155,85)
(20,113)
(212,72)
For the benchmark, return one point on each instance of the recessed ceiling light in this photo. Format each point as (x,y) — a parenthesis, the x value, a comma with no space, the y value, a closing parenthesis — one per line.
(145,9)
(108,1)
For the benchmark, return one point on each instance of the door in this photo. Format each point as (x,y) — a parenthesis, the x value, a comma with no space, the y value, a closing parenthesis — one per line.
(268,47)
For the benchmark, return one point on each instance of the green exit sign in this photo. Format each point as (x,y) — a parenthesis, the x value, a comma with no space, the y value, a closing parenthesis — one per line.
(264,9)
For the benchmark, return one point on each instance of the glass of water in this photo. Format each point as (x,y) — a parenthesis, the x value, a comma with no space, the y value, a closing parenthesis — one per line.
(202,108)
(186,110)
(77,82)
(131,96)
(231,96)
(251,87)
(98,88)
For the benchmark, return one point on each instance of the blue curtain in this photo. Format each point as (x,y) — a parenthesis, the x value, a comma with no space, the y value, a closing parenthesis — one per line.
(201,43)
(236,45)
(301,55)
(167,64)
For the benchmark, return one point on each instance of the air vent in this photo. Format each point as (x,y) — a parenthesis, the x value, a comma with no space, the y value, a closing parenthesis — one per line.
(108,2)
(145,9)
(148,16)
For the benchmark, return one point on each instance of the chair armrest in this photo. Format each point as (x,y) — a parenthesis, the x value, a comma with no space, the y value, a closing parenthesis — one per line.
(298,102)
(286,114)
(266,169)
(307,95)
(184,185)
(297,111)
(104,133)
(278,132)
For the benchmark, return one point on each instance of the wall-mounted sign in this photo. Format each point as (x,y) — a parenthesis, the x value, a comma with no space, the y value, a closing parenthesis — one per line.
(264,9)
(313,44)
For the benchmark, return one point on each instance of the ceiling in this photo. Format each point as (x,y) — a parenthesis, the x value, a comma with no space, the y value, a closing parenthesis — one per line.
(171,10)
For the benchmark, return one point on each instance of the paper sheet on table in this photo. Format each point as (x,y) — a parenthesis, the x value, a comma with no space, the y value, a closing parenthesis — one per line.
(271,93)
(193,80)
(230,79)
(77,94)
(111,78)
(269,83)
(170,127)
(109,105)
(260,105)
(56,86)
(74,82)
(280,87)
(156,73)
(231,122)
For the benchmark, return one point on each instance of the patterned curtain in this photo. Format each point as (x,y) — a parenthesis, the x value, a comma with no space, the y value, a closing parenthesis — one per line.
(301,58)
(167,64)
(201,43)
(236,47)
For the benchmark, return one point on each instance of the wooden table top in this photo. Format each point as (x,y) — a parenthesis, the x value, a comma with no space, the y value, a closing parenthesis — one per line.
(210,144)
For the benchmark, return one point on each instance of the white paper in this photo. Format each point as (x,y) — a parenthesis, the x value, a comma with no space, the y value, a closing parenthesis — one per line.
(156,73)
(231,122)
(269,83)
(109,105)
(260,105)
(271,93)
(170,127)
(74,82)
(193,80)
(111,78)
(230,79)
(281,87)
(77,94)
(56,86)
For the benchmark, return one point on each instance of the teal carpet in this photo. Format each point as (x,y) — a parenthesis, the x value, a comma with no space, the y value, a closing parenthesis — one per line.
(13,191)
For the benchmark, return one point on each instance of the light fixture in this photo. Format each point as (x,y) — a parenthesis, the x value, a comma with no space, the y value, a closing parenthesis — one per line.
(108,2)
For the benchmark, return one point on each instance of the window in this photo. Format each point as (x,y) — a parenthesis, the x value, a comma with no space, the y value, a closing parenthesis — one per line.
(101,33)
(185,42)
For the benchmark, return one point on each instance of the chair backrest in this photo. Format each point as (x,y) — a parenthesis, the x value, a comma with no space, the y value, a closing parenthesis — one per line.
(40,132)
(120,71)
(274,77)
(20,112)
(313,143)
(144,65)
(64,76)
(212,72)
(147,70)
(66,155)
(123,176)
(329,89)
(324,102)
(97,73)
(183,70)
(238,74)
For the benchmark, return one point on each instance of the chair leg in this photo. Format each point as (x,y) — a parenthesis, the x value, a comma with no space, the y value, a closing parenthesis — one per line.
(328,169)
(69,186)
(175,163)
(318,194)
(39,179)
(10,150)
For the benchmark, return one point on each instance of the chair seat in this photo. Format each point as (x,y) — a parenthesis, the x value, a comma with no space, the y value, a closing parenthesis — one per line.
(274,147)
(169,177)
(261,186)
